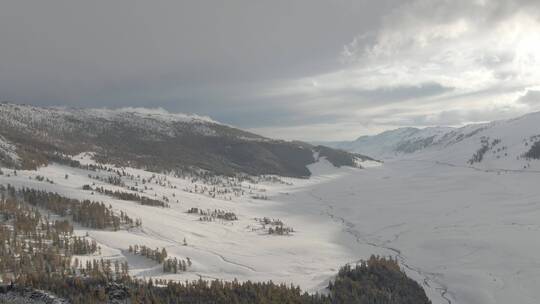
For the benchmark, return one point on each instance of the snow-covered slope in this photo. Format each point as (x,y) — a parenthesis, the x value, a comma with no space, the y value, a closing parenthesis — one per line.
(466,235)
(240,249)
(500,145)
(150,138)
(57,120)
(393,143)
(507,144)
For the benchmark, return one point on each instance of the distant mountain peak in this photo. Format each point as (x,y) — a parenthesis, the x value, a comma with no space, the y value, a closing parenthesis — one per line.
(157,113)
(512,144)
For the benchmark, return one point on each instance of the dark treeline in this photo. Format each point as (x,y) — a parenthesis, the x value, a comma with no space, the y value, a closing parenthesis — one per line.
(36,252)
(376,281)
(87,213)
(172,265)
(211,215)
(79,245)
(34,246)
(32,243)
(126,196)
(113,180)
(280,230)
(275,226)
(175,265)
(534,151)
(149,253)
(478,156)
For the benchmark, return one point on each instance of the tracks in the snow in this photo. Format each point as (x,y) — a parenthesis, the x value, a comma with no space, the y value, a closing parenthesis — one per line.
(158,236)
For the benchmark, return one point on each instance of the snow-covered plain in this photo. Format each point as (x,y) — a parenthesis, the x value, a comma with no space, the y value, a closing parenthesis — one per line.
(469,236)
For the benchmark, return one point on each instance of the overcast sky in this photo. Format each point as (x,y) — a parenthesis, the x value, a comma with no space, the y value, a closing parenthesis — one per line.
(302,69)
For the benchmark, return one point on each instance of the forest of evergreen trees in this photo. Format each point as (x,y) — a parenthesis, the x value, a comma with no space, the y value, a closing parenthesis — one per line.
(37,252)
(275,226)
(87,213)
(126,196)
(376,281)
(211,215)
(534,151)
(32,243)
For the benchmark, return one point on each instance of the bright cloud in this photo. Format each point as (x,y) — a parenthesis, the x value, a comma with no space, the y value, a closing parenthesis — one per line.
(337,70)
(446,63)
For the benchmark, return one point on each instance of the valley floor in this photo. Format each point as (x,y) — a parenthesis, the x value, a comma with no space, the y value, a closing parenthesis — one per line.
(468,236)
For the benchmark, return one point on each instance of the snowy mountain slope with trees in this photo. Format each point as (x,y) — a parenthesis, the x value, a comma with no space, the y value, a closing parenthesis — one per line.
(500,145)
(391,144)
(248,246)
(462,230)
(155,140)
(464,234)
(507,145)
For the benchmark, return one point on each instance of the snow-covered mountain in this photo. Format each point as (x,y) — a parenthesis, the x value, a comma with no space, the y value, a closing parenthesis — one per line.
(392,143)
(507,144)
(434,209)
(150,138)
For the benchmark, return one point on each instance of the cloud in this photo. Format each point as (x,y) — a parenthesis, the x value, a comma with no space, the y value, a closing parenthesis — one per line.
(531,98)
(338,70)
(102,51)
(434,63)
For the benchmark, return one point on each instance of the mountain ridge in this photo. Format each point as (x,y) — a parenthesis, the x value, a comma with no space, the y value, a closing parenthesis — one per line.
(511,144)
(154,139)
(391,143)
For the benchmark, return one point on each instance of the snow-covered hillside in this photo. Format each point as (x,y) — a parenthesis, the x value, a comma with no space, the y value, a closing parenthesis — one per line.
(459,214)
(242,249)
(466,235)
(392,143)
(504,145)
(63,119)
(150,138)
(500,145)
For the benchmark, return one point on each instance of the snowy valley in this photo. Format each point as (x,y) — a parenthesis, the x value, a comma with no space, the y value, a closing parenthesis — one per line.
(459,213)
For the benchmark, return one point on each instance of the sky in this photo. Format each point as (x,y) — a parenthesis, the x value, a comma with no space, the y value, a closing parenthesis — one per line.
(313,70)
